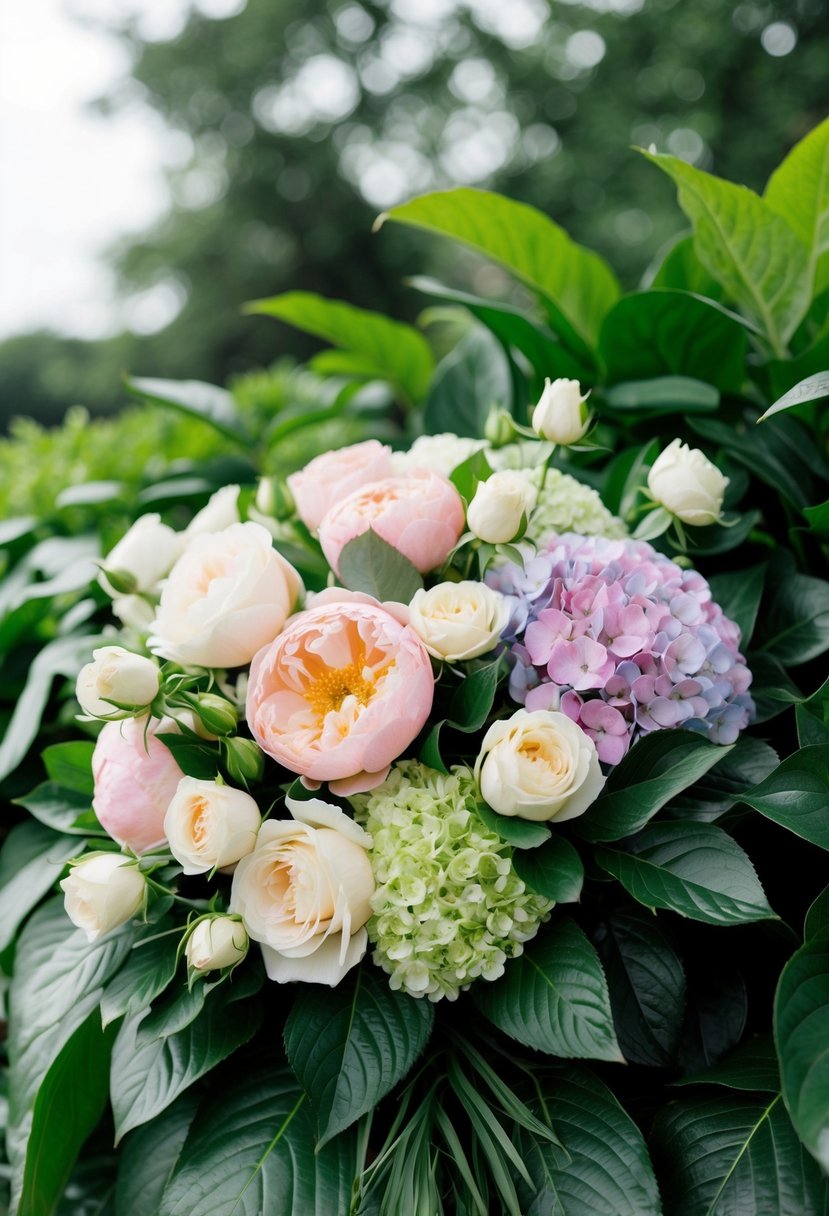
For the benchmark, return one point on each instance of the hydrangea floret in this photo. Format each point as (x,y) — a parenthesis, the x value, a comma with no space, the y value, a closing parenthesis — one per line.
(449,907)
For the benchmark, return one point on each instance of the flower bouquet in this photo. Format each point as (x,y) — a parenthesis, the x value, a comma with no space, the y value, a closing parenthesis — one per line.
(416,777)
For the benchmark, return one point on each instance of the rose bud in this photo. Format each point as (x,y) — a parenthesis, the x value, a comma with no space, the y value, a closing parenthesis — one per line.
(684,481)
(146,553)
(209,825)
(243,759)
(561,412)
(217,942)
(116,675)
(499,505)
(216,714)
(103,891)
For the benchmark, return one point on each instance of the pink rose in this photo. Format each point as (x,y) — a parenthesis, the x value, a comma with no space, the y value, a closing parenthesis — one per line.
(134,783)
(329,478)
(420,514)
(342,692)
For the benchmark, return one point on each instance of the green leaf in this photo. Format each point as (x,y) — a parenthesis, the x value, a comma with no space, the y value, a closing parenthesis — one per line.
(554,997)
(772,689)
(472,700)
(349,1047)
(695,869)
(746,247)
(798,190)
(801,1032)
(387,350)
(817,916)
(146,1078)
(31,861)
(681,270)
(723,786)
(752,1067)
(207,402)
(147,971)
(655,770)
(796,794)
(469,473)
(251,1151)
(178,1006)
(781,458)
(70,765)
(664,395)
(795,620)
(522,833)
(554,870)
(673,334)
(739,596)
(61,809)
(647,987)
(720,539)
(604,1169)
(818,518)
(716,1015)
(69,1103)
(813,388)
(148,1157)
(733,1155)
(578,285)
(473,377)
(370,564)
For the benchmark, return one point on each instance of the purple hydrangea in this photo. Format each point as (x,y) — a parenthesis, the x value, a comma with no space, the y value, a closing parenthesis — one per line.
(624,641)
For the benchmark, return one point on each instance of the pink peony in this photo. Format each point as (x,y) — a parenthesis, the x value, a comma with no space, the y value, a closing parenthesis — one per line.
(342,691)
(420,514)
(330,478)
(134,783)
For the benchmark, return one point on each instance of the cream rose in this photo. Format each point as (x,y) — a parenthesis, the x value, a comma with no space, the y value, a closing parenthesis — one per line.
(216,942)
(221,510)
(304,893)
(209,825)
(688,484)
(561,414)
(458,621)
(103,891)
(499,504)
(116,674)
(147,552)
(227,596)
(538,765)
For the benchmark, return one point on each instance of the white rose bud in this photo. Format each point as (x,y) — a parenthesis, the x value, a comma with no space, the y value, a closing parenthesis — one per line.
(538,765)
(305,893)
(209,825)
(221,941)
(118,675)
(499,504)
(561,412)
(457,621)
(221,511)
(147,552)
(684,481)
(103,891)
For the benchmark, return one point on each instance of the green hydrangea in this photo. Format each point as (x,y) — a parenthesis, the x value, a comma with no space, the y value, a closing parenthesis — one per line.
(564,504)
(449,907)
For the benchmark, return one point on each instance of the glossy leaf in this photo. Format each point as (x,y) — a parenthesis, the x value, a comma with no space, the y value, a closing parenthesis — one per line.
(211,404)
(147,971)
(813,388)
(798,190)
(739,596)
(801,1032)
(664,395)
(817,916)
(371,565)
(796,794)
(31,861)
(795,621)
(62,810)
(554,870)
(721,787)
(472,378)
(752,1067)
(149,1155)
(523,833)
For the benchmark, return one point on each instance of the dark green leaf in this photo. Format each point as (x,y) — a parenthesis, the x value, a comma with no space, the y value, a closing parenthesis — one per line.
(472,378)
(801,1032)
(210,404)
(554,870)
(469,473)
(817,917)
(752,1067)
(723,786)
(716,1015)
(148,1157)
(772,688)
(31,861)
(472,701)
(370,564)
(780,458)
(695,869)
(739,596)
(554,997)
(194,757)
(681,270)
(796,794)
(717,538)
(70,765)
(664,395)
(177,1008)
(818,518)
(522,833)
(147,972)
(813,388)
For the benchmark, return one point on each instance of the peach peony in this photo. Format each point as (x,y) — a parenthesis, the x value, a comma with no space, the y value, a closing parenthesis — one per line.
(134,782)
(341,692)
(329,478)
(420,514)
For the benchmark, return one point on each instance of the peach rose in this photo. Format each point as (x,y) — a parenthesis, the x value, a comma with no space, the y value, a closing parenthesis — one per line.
(329,478)
(420,514)
(134,783)
(342,691)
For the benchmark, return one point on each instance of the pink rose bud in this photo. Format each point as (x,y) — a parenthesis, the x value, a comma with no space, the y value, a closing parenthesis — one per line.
(330,478)
(134,783)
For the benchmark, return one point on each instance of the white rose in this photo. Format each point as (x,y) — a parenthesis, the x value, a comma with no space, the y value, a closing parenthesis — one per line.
(209,825)
(458,621)
(103,891)
(439,453)
(147,552)
(560,414)
(220,512)
(217,942)
(305,893)
(688,484)
(227,596)
(118,675)
(538,765)
(496,511)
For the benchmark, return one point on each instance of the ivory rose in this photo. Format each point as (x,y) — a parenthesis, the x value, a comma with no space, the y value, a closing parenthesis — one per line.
(685,481)
(499,505)
(419,514)
(457,621)
(227,595)
(208,824)
(342,691)
(221,510)
(331,477)
(538,765)
(103,891)
(116,674)
(561,414)
(305,893)
(147,551)
(216,942)
(135,777)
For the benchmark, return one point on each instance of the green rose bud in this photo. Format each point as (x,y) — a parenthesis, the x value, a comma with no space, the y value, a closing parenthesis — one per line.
(217,715)
(243,759)
(499,429)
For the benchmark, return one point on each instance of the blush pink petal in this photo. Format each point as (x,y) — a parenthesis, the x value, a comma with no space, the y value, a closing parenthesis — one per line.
(134,784)
(331,477)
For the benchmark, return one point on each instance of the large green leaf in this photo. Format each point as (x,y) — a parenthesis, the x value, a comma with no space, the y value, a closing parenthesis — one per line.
(70,1101)
(739,595)
(794,625)
(69,765)
(371,565)
(472,378)
(748,248)
(664,395)
(817,915)
(796,794)
(554,870)
(62,810)
(813,388)
(798,190)
(733,1155)
(147,971)
(349,1047)
(554,997)
(148,1157)
(681,270)
(782,458)
(207,402)
(747,765)
(752,1067)
(695,869)
(604,1169)
(673,333)
(388,350)
(251,1151)
(578,285)
(656,769)
(801,1031)
(31,860)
